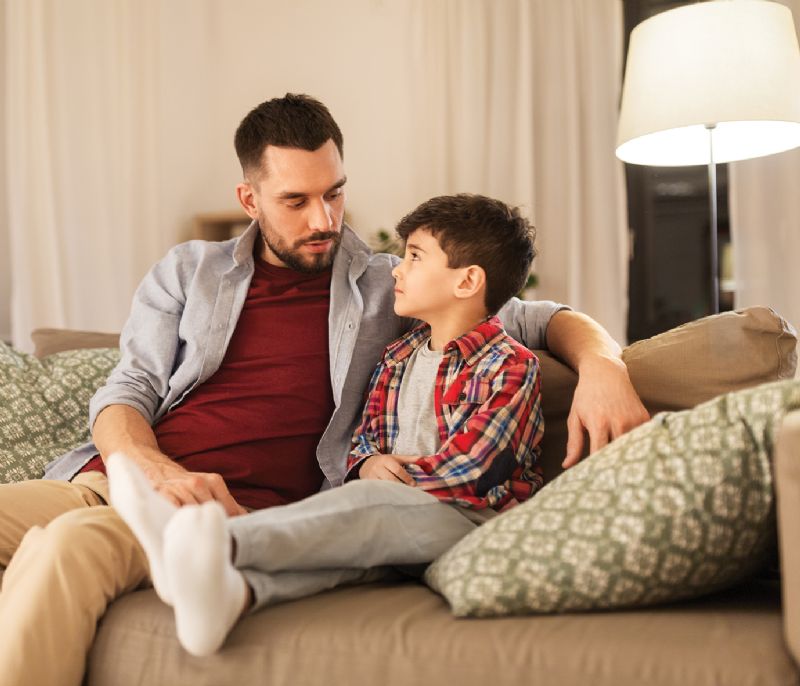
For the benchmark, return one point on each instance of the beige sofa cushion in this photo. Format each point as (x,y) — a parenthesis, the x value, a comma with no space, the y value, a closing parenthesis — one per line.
(705,358)
(49,341)
(396,635)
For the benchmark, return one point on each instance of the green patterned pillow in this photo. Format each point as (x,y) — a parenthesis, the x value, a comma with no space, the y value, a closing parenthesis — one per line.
(44,406)
(679,507)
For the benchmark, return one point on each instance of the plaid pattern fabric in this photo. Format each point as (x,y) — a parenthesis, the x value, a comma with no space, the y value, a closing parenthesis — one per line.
(488,411)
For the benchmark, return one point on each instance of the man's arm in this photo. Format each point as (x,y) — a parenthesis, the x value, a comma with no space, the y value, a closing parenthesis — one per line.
(120,428)
(605,403)
(122,411)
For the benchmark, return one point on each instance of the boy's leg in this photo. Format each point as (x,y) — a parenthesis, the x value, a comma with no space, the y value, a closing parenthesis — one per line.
(58,584)
(345,535)
(361,524)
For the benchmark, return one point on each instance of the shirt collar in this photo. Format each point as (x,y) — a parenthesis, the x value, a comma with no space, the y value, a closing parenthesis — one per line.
(470,346)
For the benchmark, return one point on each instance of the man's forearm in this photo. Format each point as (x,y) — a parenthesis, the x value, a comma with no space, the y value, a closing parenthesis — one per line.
(120,428)
(605,403)
(579,340)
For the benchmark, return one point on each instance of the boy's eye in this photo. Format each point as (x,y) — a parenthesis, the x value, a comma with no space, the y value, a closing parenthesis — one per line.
(413,256)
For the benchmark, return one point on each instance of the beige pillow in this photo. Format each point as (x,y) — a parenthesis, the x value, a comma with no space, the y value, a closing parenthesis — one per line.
(680,368)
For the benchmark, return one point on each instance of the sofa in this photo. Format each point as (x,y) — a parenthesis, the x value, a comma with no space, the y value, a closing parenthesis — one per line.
(401,632)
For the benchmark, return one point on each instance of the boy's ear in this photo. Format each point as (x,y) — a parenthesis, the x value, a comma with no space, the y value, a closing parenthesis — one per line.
(471,283)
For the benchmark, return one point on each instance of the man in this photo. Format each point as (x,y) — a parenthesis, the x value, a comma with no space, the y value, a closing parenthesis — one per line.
(241,380)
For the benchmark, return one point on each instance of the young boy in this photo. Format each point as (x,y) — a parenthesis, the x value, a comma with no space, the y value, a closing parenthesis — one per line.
(448,438)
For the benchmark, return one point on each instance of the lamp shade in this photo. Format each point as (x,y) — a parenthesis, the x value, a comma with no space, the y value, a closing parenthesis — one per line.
(730,64)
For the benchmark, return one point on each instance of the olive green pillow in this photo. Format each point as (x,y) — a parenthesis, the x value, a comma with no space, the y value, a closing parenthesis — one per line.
(44,406)
(679,507)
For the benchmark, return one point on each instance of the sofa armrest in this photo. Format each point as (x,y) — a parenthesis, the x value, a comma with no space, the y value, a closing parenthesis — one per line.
(787,487)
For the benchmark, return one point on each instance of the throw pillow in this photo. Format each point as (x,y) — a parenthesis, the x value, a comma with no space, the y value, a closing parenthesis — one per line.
(679,507)
(44,406)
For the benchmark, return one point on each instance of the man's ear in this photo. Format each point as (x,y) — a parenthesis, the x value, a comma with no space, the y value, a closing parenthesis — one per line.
(472,282)
(247,198)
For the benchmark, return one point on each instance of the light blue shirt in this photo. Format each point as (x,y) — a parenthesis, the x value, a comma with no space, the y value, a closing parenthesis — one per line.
(185,311)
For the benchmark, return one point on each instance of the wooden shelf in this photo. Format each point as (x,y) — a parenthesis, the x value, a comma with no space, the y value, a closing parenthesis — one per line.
(220,226)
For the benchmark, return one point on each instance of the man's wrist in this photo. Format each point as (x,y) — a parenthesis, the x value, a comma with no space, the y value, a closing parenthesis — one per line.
(155,465)
(601,362)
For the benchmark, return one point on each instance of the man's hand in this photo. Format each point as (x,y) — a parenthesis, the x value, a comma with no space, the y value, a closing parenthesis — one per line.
(120,428)
(193,488)
(605,405)
(388,468)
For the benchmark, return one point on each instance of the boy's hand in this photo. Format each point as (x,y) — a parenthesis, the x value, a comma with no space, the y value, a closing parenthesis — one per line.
(388,468)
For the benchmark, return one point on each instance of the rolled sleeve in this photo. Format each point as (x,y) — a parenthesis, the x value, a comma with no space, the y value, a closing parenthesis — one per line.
(527,320)
(149,343)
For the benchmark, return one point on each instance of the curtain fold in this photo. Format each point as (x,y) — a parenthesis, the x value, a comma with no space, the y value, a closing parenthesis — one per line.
(765,227)
(519,100)
(81,160)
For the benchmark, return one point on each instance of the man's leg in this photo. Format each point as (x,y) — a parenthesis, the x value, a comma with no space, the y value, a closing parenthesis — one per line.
(58,584)
(36,503)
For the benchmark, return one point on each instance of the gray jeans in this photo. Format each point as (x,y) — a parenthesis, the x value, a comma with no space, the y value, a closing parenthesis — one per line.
(345,535)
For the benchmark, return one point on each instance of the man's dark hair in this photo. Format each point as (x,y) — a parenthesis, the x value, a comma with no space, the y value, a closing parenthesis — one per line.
(293,121)
(474,229)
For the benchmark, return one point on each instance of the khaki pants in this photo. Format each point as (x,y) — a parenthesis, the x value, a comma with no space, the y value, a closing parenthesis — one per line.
(68,555)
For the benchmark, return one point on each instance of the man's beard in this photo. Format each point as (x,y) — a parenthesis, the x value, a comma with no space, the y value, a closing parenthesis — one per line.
(291,256)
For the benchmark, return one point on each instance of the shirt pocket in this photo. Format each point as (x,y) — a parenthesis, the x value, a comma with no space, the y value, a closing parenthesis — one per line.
(474,391)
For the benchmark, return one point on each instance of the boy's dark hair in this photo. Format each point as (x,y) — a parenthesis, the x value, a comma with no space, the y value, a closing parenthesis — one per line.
(474,229)
(293,121)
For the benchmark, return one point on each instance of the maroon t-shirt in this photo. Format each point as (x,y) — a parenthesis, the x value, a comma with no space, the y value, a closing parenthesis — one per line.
(258,419)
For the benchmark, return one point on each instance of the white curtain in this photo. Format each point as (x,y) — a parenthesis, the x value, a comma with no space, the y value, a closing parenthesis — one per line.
(81,95)
(518,100)
(765,225)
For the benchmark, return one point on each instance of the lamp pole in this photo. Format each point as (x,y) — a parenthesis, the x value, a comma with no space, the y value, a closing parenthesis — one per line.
(712,206)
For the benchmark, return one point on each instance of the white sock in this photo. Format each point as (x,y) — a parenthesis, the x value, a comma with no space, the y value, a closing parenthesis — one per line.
(144,511)
(208,592)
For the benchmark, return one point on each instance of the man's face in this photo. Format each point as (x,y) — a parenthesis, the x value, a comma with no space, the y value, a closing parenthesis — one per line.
(298,199)
(424,284)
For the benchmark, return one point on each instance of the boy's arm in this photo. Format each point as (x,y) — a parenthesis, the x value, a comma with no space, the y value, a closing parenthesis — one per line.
(497,441)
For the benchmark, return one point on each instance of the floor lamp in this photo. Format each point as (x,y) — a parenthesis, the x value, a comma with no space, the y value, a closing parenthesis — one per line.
(711,82)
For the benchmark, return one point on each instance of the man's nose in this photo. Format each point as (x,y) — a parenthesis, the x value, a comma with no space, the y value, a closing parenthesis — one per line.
(320,216)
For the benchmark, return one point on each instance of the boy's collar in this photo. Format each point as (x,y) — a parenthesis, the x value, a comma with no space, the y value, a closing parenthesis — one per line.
(470,345)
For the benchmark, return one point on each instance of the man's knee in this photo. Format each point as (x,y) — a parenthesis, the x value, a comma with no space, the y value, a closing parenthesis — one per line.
(93,538)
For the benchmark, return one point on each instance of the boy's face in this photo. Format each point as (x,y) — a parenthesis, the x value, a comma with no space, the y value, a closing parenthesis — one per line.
(424,284)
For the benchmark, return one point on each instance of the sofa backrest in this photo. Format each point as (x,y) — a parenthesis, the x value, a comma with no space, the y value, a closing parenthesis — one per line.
(675,370)
(680,368)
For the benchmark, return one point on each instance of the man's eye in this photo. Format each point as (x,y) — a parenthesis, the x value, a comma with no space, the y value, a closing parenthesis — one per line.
(335,194)
(297,204)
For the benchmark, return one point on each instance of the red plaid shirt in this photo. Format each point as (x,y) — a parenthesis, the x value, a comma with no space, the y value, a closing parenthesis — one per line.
(488,411)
